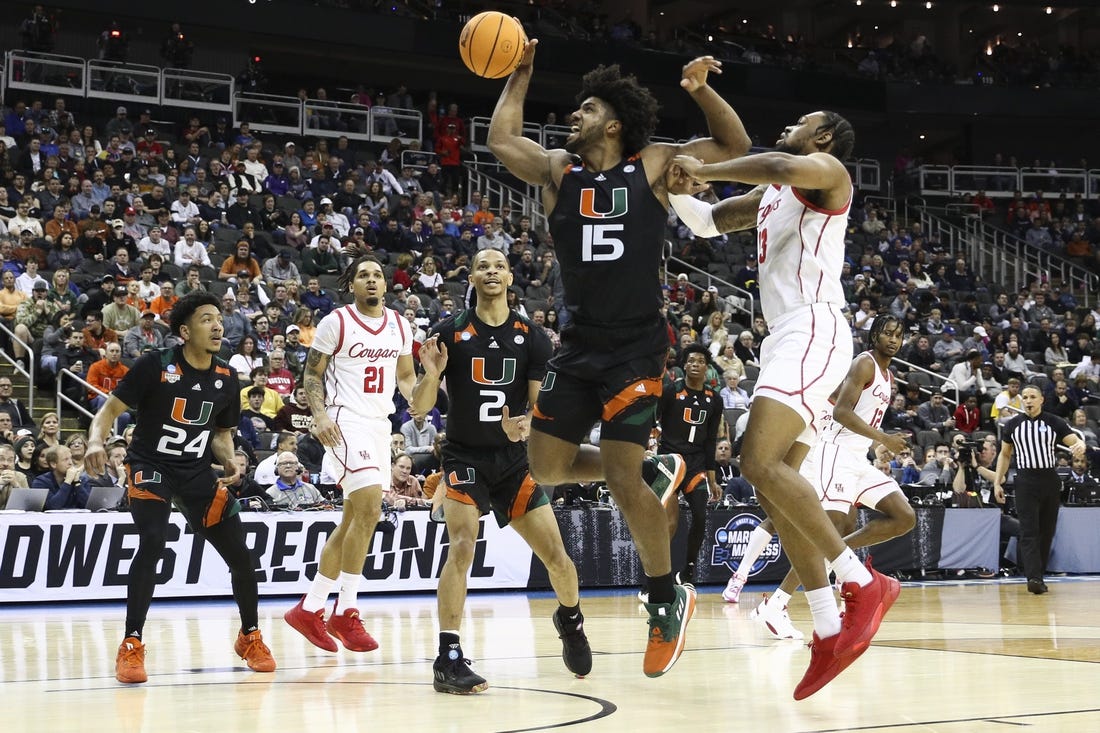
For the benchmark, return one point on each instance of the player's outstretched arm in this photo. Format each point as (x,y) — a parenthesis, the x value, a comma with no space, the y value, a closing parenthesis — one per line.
(813,172)
(710,220)
(523,157)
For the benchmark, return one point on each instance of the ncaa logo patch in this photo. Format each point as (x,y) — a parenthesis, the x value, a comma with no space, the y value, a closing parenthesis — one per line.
(731,541)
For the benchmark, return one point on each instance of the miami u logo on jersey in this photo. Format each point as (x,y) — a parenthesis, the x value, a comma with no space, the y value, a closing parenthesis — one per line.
(179,407)
(507,369)
(619,204)
(694,417)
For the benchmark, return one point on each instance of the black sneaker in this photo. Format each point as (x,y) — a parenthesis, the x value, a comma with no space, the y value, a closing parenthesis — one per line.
(575,651)
(452,674)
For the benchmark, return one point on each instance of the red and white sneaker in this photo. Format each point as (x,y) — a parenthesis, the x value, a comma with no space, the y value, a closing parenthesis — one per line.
(775,621)
(348,628)
(825,665)
(311,624)
(864,607)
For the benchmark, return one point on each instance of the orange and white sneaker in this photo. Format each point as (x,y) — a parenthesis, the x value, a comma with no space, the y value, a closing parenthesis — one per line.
(668,631)
(130,662)
(252,649)
(348,628)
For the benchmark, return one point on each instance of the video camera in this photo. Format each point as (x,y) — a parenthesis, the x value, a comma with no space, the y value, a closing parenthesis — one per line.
(966,450)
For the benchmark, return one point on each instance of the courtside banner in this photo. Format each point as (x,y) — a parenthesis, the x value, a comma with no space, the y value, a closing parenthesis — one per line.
(68,556)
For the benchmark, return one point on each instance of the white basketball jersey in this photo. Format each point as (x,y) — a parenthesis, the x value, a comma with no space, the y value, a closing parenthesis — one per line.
(362,374)
(800,250)
(870,407)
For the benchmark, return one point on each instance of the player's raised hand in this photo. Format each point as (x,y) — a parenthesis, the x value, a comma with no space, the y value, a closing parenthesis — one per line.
(516,428)
(695,72)
(433,356)
(678,181)
(528,57)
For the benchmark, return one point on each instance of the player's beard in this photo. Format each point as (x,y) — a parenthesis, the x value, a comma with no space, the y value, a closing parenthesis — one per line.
(372,301)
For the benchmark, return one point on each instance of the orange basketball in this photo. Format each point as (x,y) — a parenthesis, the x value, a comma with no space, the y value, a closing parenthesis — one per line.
(491,44)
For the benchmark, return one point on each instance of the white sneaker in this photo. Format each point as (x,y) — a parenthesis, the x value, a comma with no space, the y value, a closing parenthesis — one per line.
(732,593)
(776,622)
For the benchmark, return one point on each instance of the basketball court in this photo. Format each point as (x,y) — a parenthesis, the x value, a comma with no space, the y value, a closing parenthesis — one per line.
(952,657)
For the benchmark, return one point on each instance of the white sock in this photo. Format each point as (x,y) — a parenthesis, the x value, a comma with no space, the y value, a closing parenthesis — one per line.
(349,591)
(824,611)
(758,540)
(779,599)
(849,569)
(319,590)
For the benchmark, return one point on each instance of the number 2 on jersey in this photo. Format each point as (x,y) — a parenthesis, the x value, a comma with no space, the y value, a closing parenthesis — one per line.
(373,379)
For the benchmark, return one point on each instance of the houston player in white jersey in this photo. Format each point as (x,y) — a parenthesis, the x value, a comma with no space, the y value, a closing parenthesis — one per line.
(800,228)
(838,468)
(360,353)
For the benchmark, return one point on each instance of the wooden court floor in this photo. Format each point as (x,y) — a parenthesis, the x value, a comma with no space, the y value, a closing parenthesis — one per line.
(951,657)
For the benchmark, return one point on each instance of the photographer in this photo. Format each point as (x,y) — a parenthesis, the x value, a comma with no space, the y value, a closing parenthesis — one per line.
(973,486)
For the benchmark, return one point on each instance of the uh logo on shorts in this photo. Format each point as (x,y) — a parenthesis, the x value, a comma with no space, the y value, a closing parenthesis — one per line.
(731,541)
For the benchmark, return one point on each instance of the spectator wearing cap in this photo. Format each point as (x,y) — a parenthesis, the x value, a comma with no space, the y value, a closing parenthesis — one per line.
(240,260)
(978,339)
(241,181)
(948,349)
(118,315)
(339,222)
(185,211)
(241,212)
(142,337)
(323,260)
(154,243)
(93,225)
(119,124)
(279,269)
(98,297)
(290,156)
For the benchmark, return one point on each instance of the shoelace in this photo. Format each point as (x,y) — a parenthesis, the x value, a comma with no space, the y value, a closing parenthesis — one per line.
(253,644)
(132,655)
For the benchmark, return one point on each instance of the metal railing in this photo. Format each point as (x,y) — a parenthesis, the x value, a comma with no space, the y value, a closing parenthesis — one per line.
(197,89)
(124,82)
(1004,181)
(933,377)
(1007,261)
(744,301)
(28,371)
(64,399)
(524,203)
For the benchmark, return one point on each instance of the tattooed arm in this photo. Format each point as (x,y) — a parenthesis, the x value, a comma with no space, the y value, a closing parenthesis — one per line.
(313,381)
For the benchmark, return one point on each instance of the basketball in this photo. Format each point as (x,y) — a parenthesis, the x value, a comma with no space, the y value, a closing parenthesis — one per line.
(491,44)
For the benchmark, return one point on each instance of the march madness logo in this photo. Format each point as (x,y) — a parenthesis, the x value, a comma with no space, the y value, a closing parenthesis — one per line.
(731,541)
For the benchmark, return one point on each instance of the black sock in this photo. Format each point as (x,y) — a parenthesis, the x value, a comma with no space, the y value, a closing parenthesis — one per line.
(570,615)
(448,642)
(249,630)
(134,634)
(660,589)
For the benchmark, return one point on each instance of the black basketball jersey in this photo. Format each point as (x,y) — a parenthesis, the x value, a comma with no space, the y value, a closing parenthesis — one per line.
(489,367)
(178,408)
(689,421)
(608,230)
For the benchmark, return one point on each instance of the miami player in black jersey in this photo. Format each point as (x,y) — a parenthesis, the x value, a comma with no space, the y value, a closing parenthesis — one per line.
(188,408)
(494,361)
(690,416)
(606,202)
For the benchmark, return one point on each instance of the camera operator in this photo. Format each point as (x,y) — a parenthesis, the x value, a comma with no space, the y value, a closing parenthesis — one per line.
(973,486)
(1031,438)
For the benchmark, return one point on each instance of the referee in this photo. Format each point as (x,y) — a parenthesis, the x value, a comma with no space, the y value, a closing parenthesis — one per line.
(1032,437)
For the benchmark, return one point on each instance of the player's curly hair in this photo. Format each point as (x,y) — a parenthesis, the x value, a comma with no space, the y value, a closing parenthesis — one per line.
(844,136)
(343,283)
(881,322)
(631,103)
(186,306)
(695,349)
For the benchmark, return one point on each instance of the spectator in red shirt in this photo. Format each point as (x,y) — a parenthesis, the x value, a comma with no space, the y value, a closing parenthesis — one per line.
(968,417)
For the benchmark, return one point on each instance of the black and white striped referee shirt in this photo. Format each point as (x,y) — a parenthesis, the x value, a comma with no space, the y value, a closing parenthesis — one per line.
(1033,439)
